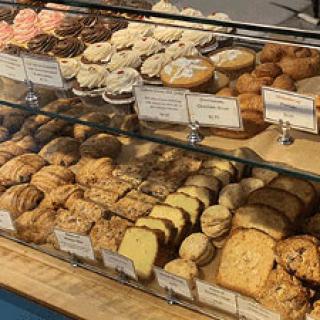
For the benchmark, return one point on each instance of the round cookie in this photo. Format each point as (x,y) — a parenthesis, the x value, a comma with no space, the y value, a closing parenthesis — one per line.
(216,221)
(198,248)
(182,268)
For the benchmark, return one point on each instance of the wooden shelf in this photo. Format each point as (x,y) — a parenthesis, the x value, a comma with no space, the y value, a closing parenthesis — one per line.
(76,292)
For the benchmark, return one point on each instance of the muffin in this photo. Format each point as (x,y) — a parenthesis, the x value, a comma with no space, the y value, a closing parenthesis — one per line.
(193,73)
(123,59)
(234,61)
(98,53)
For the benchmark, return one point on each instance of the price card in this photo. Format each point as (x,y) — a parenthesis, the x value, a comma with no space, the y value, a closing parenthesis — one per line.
(43,71)
(12,67)
(119,263)
(6,221)
(172,282)
(213,111)
(217,297)
(74,243)
(250,310)
(309,317)
(299,110)
(161,104)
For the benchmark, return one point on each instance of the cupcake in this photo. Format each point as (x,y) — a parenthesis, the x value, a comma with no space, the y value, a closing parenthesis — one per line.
(25,26)
(68,48)
(204,41)
(90,84)
(96,33)
(147,46)
(141,29)
(193,73)
(123,59)
(98,53)
(123,39)
(42,44)
(181,49)
(6,33)
(119,89)
(70,27)
(50,20)
(151,67)
(167,34)
(234,61)
(7,14)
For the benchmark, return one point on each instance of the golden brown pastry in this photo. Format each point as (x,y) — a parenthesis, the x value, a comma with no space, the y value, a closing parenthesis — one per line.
(268,69)
(94,170)
(62,151)
(13,120)
(4,134)
(82,131)
(250,102)
(51,177)
(271,52)
(296,52)
(62,194)
(284,82)
(50,130)
(226,92)
(101,145)
(8,150)
(20,169)
(248,83)
(20,198)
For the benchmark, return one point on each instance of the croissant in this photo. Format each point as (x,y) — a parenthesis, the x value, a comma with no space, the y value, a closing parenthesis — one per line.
(268,69)
(284,82)
(271,52)
(248,83)
(250,102)
(8,150)
(226,92)
(296,52)
(65,193)
(4,134)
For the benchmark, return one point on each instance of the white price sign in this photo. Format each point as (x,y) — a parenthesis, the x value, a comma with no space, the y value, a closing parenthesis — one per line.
(119,263)
(43,71)
(174,283)
(213,111)
(250,310)
(6,221)
(217,297)
(74,243)
(161,104)
(309,317)
(299,110)
(12,67)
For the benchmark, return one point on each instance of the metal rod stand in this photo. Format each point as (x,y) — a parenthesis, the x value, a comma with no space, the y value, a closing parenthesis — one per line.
(285,138)
(194,135)
(32,99)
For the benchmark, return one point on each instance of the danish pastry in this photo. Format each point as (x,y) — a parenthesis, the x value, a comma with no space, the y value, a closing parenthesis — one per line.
(61,151)
(248,83)
(20,198)
(51,177)
(284,82)
(101,145)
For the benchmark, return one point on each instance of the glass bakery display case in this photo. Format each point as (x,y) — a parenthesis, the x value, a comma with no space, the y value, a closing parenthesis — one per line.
(167,147)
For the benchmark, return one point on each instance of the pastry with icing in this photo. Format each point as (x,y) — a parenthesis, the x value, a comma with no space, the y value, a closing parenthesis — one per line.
(96,33)
(181,49)
(6,33)
(146,46)
(99,53)
(203,40)
(122,39)
(69,67)
(167,34)
(123,59)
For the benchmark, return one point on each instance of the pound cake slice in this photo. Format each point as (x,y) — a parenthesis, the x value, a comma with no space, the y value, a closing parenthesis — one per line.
(200,193)
(179,218)
(164,225)
(303,189)
(282,200)
(142,246)
(300,256)
(246,260)
(263,218)
(189,204)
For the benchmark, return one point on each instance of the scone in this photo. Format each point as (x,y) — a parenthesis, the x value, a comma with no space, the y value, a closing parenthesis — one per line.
(216,221)
(101,145)
(20,198)
(50,177)
(263,218)
(186,269)
(232,196)
(197,248)
(300,256)
(62,151)
(246,261)
(285,294)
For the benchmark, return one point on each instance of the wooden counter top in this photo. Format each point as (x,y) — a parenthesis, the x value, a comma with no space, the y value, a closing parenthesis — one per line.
(78,293)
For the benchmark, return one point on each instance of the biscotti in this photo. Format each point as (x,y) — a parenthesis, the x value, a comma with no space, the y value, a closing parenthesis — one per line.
(246,260)
(189,204)
(179,218)
(202,194)
(300,256)
(142,246)
(285,202)
(263,218)
(303,189)
(164,225)
(285,294)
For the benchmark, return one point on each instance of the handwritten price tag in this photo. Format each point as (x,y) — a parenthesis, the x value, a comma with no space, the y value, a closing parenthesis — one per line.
(6,221)
(12,67)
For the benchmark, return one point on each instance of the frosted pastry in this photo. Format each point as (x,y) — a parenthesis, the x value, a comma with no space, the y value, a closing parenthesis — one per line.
(218,16)
(123,39)
(69,67)
(151,67)
(123,59)
(42,44)
(167,34)
(165,6)
(100,52)
(6,33)
(147,46)
(49,20)
(200,39)
(141,29)
(181,49)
